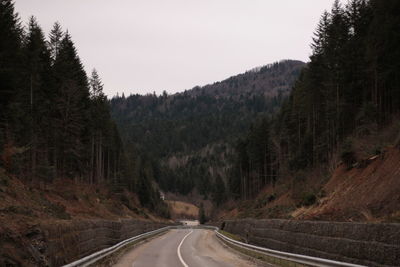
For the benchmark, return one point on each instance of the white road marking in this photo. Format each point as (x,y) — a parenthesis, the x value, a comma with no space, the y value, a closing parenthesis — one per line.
(179,249)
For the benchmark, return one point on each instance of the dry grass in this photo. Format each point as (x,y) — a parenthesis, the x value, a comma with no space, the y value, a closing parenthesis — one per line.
(181,210)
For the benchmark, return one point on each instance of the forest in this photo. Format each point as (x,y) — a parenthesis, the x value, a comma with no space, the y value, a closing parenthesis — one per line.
(190,135)
(351,86)
(55,119)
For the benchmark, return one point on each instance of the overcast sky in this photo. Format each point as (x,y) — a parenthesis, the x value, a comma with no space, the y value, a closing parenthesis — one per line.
(141,46)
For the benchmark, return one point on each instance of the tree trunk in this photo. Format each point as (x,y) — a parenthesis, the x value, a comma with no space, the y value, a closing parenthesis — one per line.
(92,161)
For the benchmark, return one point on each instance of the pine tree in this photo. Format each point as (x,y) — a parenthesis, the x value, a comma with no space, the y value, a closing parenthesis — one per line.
(55,36)
(101,132)
(10,70)
(36,97)
(72,110)
(320,35)
(96,86)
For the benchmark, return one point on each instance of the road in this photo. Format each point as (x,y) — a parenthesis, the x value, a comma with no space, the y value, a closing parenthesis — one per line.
(183,247)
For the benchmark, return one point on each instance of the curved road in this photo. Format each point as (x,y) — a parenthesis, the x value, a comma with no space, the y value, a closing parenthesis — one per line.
(183,247)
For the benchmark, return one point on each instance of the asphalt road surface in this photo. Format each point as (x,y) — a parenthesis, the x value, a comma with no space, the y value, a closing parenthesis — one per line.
(183,247)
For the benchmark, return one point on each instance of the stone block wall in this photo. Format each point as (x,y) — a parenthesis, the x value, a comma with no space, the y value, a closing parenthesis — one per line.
(70,241)
(370,244)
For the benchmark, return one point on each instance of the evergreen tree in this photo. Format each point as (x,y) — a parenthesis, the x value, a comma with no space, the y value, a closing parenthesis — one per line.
(72,105)
(55,38)
(10,71)
(99,129)
(36,98)
(202,215)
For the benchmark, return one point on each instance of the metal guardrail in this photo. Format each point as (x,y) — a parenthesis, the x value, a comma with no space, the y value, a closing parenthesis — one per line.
(88,260)
(302,259)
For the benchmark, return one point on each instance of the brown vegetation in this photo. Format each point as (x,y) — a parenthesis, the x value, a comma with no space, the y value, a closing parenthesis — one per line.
(182,210)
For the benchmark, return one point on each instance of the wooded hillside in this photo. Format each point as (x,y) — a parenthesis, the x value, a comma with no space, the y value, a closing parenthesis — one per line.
(55,120)
(190,135)
(350,88)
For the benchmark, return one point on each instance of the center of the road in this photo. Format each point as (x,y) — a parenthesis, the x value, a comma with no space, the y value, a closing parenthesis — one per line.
(179,249)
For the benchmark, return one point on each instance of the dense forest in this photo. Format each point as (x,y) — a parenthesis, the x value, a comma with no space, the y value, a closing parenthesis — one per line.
(190,136)
(55,120)
(350,86)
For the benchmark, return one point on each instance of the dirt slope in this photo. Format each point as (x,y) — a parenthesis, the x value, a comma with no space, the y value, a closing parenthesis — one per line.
(369,191)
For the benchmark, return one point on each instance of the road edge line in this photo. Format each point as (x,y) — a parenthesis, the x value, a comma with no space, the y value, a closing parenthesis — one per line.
(178,250)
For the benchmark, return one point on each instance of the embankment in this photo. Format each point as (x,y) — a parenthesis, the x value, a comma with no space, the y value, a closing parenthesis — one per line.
(368,244)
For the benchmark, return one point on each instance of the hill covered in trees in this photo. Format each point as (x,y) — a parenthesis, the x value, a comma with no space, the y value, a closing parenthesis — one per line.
(190,135)
(55,121)
(348,92)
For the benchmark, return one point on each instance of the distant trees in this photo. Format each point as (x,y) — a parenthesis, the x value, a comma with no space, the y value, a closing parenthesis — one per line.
(202,214)
(197,128)
(352,80)
(54,120)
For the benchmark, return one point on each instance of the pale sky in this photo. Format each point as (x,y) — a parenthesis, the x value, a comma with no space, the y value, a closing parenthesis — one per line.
(141,46)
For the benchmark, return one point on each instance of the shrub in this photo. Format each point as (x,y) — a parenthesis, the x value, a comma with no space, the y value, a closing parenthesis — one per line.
(60,211)
(347,154)
(308,199)
(261,202)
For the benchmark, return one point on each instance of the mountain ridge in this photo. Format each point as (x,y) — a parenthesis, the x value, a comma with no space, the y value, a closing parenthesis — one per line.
(253,73)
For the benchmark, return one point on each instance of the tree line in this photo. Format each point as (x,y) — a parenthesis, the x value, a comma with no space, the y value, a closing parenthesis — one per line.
(55,120)
(351,85)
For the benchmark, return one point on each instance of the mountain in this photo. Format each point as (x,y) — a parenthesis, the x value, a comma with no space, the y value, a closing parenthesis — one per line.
(190,135)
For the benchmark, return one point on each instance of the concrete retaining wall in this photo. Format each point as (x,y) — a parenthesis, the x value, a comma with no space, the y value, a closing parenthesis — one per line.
(362,243)
(69,241)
